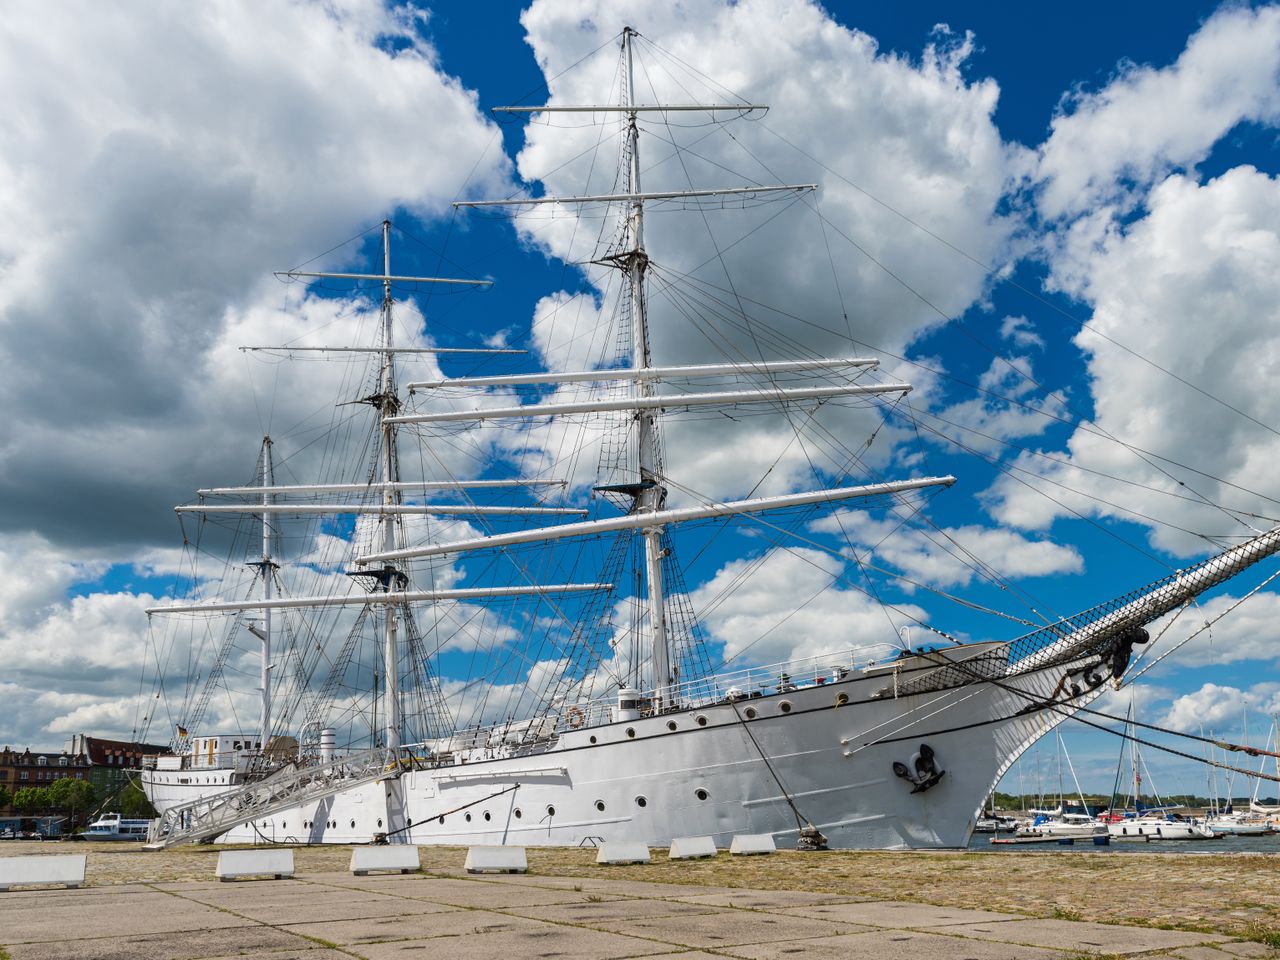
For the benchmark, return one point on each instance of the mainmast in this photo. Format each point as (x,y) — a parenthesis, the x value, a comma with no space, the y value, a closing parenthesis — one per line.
(392,578)
(650,494)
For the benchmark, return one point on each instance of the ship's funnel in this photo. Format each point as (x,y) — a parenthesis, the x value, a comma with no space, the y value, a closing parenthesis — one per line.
(328,744)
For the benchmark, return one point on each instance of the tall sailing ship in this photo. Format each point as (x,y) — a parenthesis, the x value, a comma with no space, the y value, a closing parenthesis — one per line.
(634,736)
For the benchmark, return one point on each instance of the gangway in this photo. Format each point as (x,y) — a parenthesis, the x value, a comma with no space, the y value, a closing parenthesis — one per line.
(211,816)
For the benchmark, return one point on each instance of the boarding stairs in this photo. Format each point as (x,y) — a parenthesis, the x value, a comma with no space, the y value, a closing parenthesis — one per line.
(291,786)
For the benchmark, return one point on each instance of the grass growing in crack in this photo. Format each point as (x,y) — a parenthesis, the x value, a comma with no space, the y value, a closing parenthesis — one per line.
(1263,934)
(320,942)
(1065,913)
(595,898)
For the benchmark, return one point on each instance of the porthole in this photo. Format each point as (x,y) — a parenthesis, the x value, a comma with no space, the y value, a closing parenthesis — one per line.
(631,731)
(551,811)
(700,720)
(641,802)
(487,816)
(442,820)
(671,725)
(517,812)
(284,826)
(353,824)
(842,700)
(379,821)
(467,817)
(600,805)
(750,712)
(592,738)
(700,794)
(785,706)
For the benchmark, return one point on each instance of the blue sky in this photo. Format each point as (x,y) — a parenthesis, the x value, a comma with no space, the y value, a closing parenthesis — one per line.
(1116,167)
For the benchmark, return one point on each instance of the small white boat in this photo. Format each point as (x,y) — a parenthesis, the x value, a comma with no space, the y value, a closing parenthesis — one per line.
(1066,827)
(1158,827)
(112,827)
(995,824)
(1239,825)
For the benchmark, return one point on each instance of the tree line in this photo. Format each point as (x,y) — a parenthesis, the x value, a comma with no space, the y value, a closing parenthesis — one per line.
(75,799)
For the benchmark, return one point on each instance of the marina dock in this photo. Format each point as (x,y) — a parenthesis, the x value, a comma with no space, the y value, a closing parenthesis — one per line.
(168,906)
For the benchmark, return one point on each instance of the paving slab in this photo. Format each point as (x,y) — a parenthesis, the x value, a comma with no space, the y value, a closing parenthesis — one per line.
(1249,948)
(898,914)
(483,896)
(317,953)
(382,907)
(122,916)
(725,927)
(767,899)
(234,896)
(471,893)
(54,894)
(253,941)
(1083,937)
(241,891)
(627,888)
(420,926)
(586,913)
(542,940)
(890,945)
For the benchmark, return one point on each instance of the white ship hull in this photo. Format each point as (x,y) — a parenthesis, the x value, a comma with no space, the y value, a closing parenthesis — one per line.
(1159,830)
(666,776)
(1241,828)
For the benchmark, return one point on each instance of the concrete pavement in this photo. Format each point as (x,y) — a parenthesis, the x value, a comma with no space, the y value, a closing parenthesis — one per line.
(334,916)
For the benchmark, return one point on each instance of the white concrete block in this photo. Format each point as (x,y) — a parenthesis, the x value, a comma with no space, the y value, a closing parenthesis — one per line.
(685,848)
(397,858)
(233,864)
(496,859)
(748,843)
(67,869)
(623,851)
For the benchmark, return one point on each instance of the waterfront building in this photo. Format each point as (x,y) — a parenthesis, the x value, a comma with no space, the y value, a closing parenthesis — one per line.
(111,761)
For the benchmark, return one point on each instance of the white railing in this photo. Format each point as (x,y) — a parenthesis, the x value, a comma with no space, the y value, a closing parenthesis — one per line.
(519,737)
(778,677)
(500,739)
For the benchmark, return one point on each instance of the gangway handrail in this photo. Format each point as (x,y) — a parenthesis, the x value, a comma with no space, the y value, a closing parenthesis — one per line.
(211,816)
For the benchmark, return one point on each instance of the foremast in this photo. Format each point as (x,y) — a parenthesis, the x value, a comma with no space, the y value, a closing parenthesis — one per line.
(267,568)
(391,592)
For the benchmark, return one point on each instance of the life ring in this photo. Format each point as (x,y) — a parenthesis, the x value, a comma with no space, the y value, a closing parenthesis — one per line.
(575,717)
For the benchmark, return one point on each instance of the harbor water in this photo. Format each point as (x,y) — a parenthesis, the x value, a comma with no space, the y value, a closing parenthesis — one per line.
(1269,843)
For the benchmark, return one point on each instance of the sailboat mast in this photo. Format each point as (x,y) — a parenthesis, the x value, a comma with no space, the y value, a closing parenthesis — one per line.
(651,494)
(387,407)
(267,568)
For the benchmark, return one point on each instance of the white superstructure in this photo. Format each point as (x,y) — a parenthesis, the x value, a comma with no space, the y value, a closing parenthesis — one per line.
(112,826)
